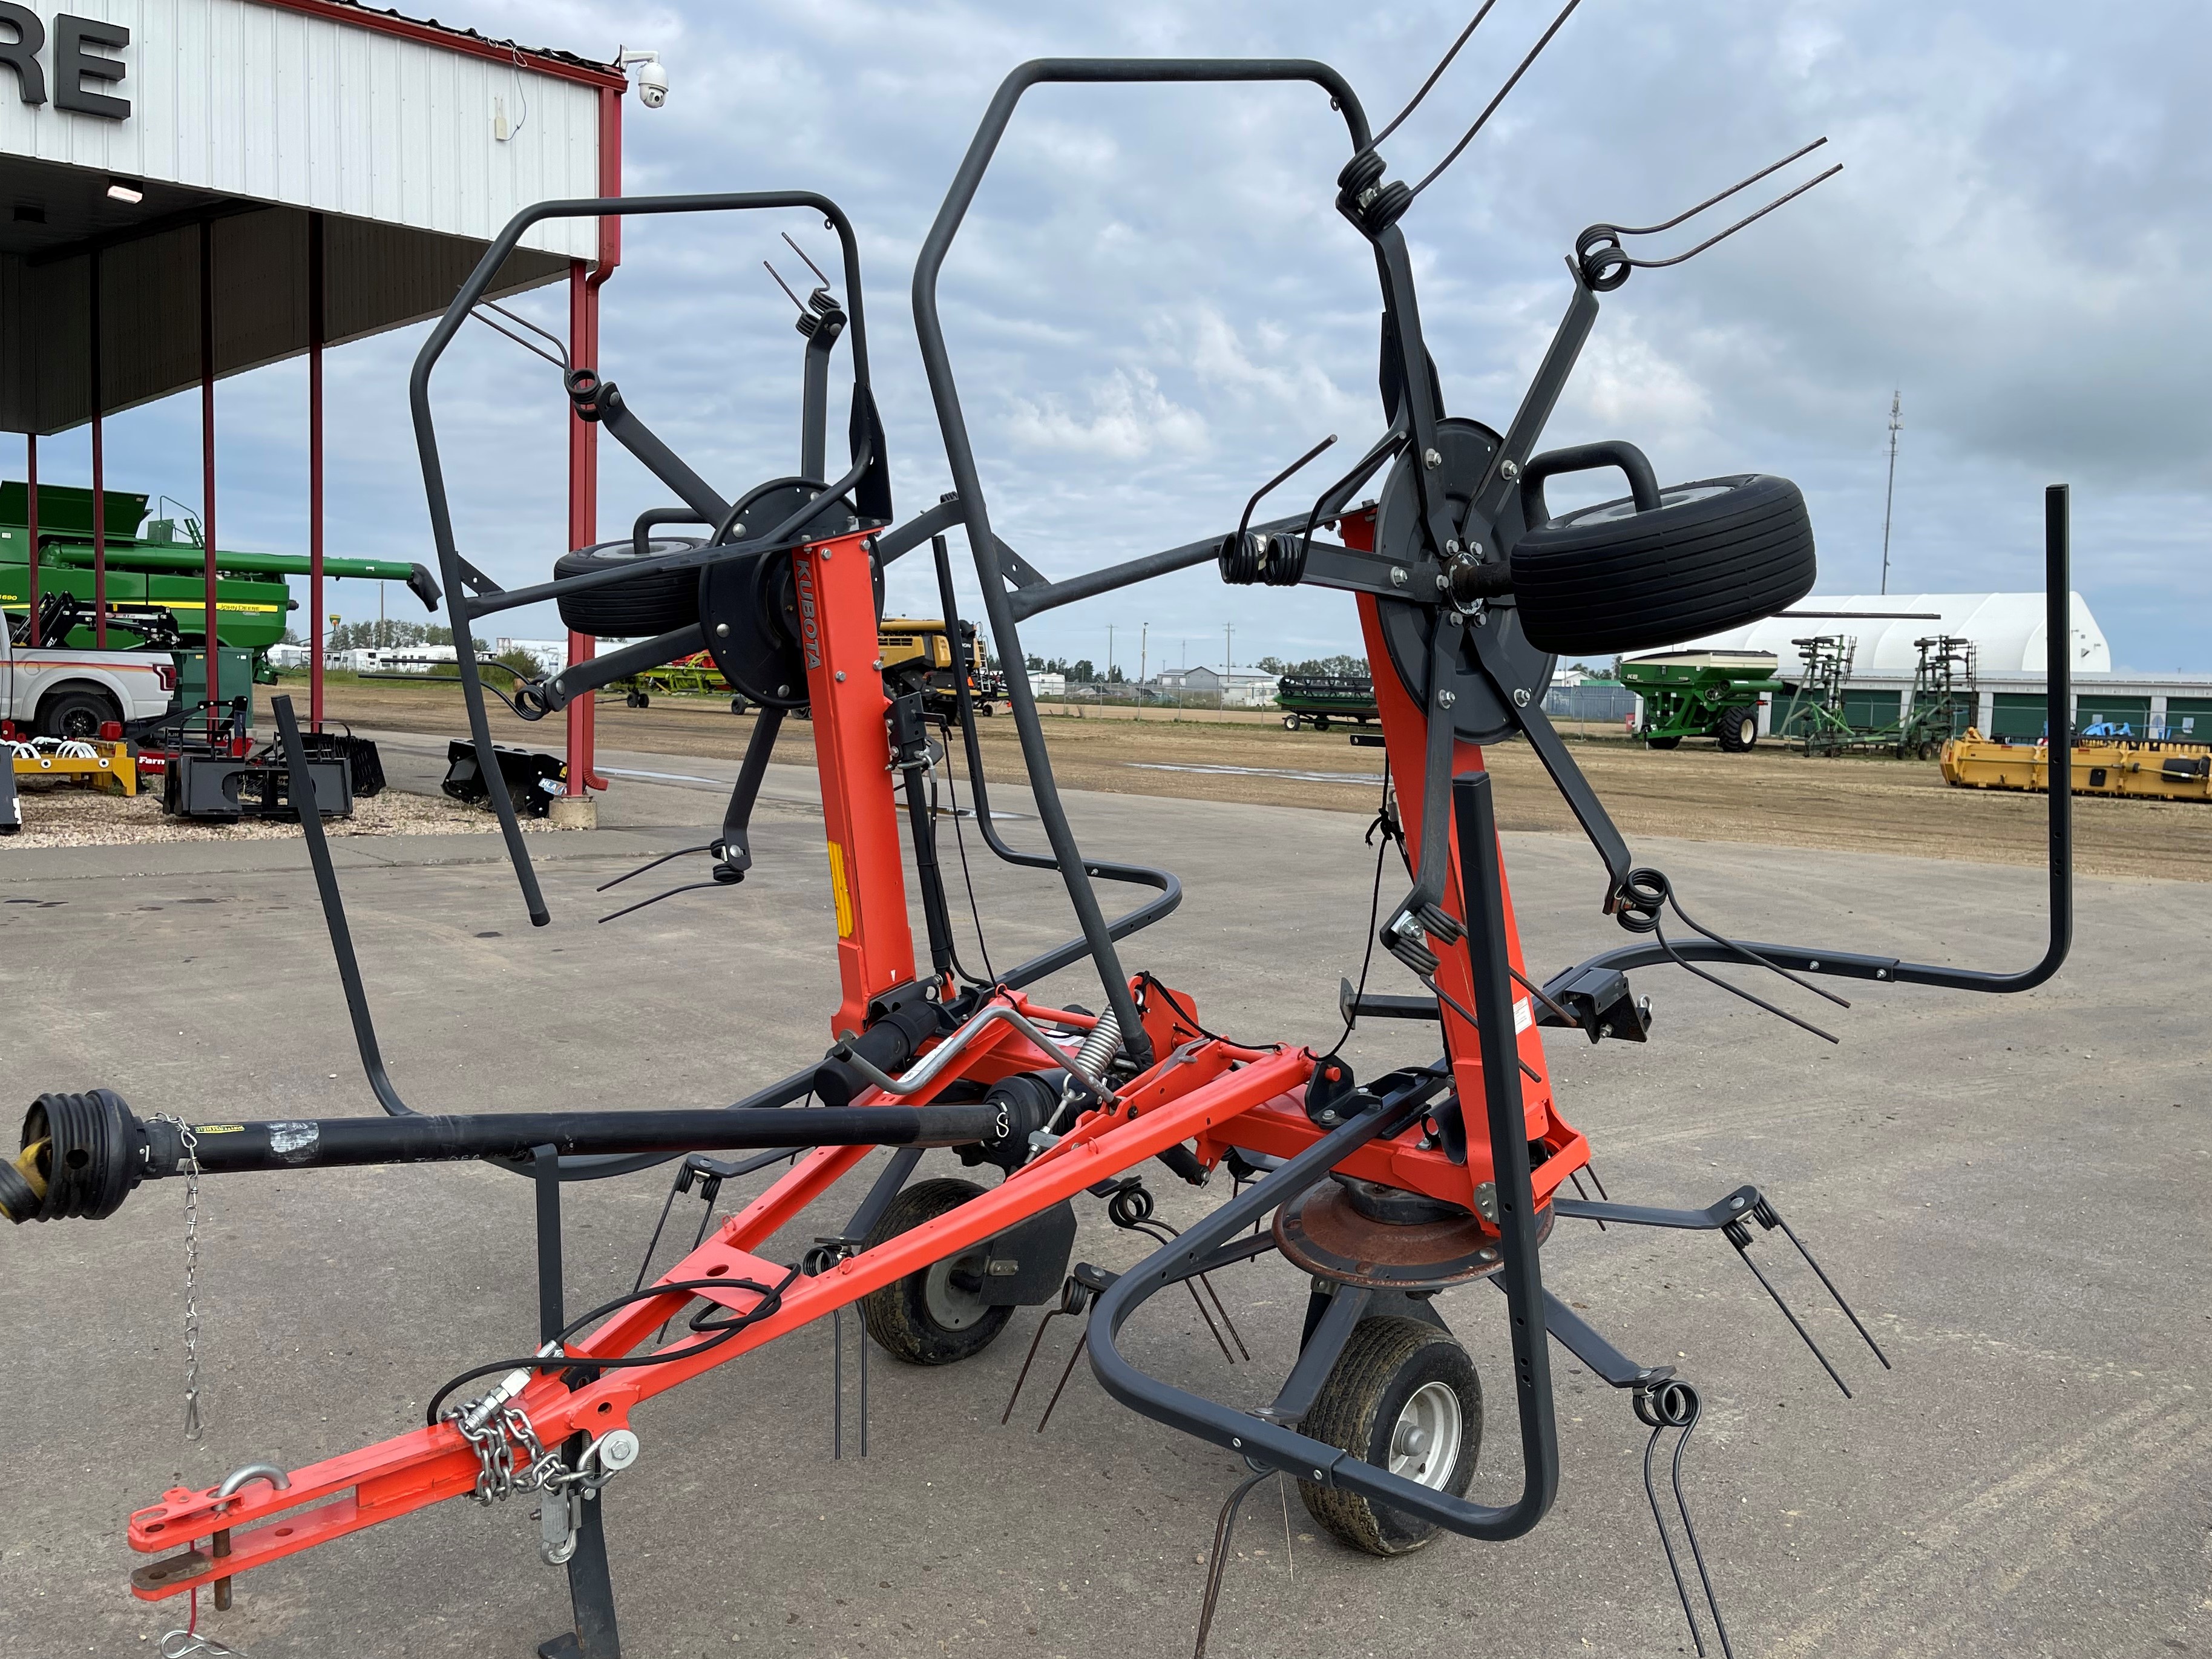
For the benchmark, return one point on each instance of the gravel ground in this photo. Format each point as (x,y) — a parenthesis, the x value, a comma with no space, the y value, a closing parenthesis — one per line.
(75,816)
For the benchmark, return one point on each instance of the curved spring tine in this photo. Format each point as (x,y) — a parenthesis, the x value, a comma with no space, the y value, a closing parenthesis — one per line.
(559,360)
(688,887)
(1081,1343)
(704,847)
(1028,1360)
(1713,201)
(1490,108)
(1224,1529)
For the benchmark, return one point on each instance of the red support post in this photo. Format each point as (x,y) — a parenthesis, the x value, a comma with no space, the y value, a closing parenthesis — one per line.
(584,436)
(583,512)
(207,466)
(99,475)
(31,495)
(315,331)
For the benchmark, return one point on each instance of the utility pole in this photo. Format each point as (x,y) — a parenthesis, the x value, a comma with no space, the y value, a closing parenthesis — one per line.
(1144,645)
(1228,662)
(1889,495)
(1109,651)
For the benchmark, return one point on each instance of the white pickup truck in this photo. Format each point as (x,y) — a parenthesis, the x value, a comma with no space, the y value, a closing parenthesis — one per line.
(62,692)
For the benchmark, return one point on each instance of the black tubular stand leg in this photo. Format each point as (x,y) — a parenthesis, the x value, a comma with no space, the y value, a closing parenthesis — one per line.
(590,1586)
(1051,961)
(300,787)
(1277,1446)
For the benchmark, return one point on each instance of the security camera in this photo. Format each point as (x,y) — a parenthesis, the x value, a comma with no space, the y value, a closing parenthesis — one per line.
(651,78)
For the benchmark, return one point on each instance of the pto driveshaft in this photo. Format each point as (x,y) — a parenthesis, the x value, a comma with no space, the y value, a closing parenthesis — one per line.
(83,1153)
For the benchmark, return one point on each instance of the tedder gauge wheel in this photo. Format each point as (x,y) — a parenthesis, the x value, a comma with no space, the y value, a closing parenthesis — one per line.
(1739,730)
(1709,556)
(937,1315)
(654,602)
(1404,1395)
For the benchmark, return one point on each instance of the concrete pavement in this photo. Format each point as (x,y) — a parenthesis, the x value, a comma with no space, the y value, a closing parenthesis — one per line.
(2010,1189)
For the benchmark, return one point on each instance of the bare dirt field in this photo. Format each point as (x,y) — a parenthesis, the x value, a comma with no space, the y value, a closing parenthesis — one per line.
(1770,796)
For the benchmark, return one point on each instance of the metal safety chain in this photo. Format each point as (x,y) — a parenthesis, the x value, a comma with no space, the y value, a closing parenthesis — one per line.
(190,1144)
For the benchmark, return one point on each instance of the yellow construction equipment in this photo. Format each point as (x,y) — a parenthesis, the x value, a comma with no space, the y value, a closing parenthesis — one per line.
(98,764)
(2146,767)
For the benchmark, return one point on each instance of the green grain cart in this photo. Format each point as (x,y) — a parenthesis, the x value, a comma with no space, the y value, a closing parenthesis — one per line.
(1701,694)
(160,566)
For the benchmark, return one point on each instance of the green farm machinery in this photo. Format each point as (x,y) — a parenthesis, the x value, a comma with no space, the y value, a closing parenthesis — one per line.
(1700,694)
(1822,719)
(153,568)
(1316,700)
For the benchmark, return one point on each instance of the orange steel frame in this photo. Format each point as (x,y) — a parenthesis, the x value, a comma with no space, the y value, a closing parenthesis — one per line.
(1202,1090)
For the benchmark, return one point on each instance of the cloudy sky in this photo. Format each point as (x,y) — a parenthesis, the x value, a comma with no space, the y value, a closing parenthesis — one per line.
(1153,305)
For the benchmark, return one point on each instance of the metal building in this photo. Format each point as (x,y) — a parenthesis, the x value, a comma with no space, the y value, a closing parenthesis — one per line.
(2011,649)
(191,189)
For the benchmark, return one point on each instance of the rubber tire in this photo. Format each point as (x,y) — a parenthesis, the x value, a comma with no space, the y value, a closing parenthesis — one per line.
(1663,742)
(1321,723)
(1930,751)
(897,1315)
(1385,1362)
(739,705)
(1290,722)
(1737,730)
(89,710)
(1607,578)
(656,602)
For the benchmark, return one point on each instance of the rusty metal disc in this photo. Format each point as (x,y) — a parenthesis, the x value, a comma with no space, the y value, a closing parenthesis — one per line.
(1333,1233)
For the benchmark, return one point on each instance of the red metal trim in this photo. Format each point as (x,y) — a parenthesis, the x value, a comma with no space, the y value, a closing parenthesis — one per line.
(31,495)
(211,618)
(583,515)
(98,466)
(414,1470)
(468,45)
(316,274)
(584,436)
(837,635)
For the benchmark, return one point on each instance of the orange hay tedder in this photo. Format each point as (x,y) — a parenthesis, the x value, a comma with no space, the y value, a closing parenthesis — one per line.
(1384,1191)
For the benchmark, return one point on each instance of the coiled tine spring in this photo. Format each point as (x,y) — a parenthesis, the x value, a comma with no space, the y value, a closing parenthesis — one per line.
(1671,1403)
(1605,263)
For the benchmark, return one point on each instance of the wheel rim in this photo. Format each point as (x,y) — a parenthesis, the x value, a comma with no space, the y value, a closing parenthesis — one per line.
(950,1306)
(1424,1440)
(81,725)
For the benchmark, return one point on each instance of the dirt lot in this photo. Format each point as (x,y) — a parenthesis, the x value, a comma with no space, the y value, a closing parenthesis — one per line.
(1769,796)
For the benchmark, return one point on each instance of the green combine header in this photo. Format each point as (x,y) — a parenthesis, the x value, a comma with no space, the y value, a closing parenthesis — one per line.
(158,565)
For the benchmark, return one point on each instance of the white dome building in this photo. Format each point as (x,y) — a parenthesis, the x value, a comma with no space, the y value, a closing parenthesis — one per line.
(2008,630)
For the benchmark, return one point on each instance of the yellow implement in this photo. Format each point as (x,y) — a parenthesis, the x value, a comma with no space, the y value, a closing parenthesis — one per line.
(102,765)
(2122,765)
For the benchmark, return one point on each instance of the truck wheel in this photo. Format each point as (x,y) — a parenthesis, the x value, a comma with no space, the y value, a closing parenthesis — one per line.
(1712,555)
(1663,742)
(1738,730)
(930,1318)
(76,714)
(1403,1396)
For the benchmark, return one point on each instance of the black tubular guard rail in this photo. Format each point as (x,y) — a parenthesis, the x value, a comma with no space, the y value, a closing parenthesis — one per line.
(1061,956)
(460,605)
(1269,1445)
(2058,724)
(960,455)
